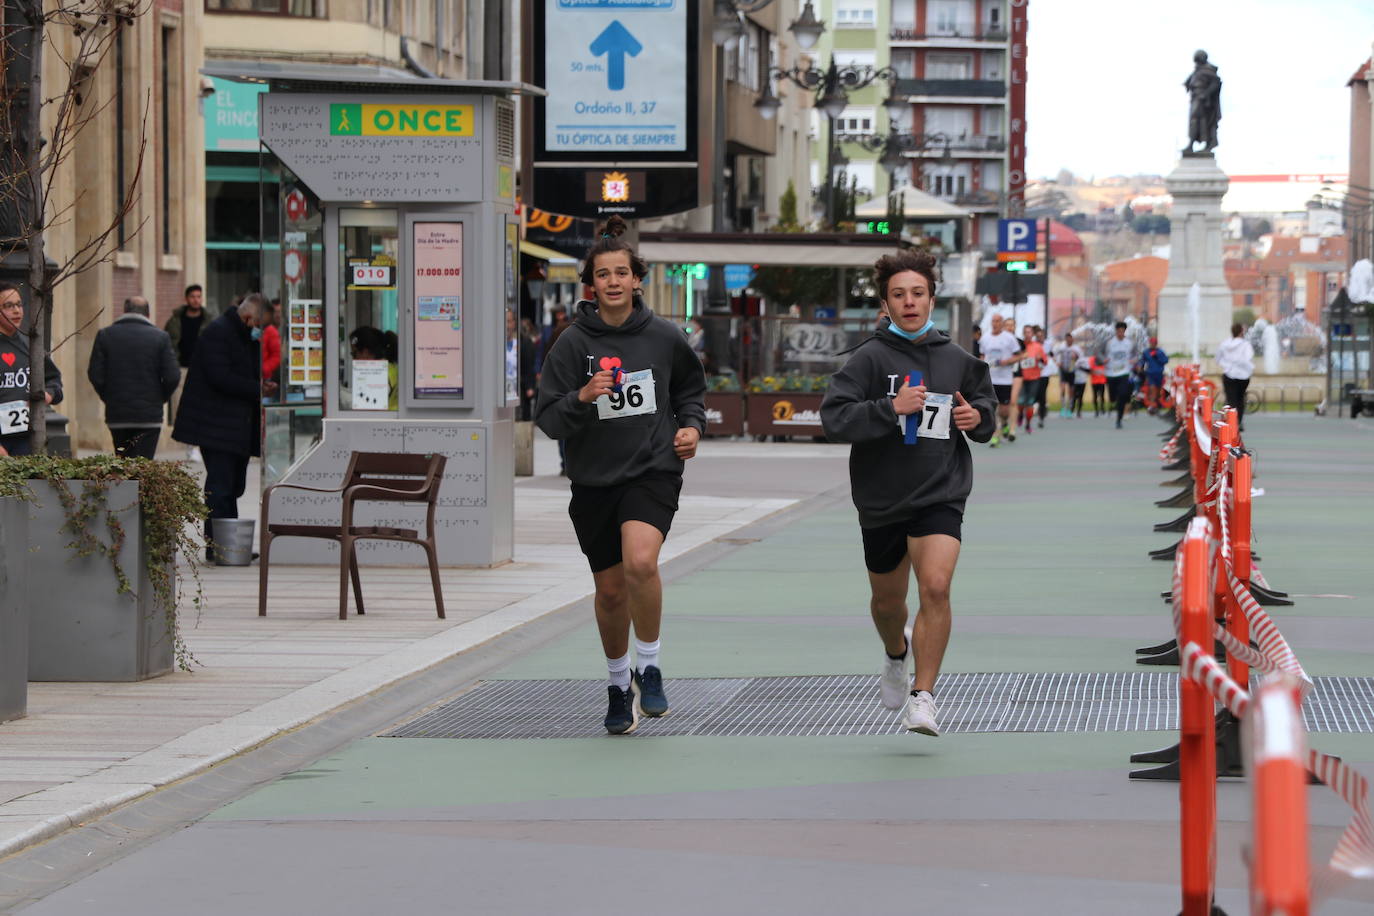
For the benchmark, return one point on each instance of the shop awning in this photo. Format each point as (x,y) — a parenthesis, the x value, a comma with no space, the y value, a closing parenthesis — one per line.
(916,204)
(545,254)
(766,250)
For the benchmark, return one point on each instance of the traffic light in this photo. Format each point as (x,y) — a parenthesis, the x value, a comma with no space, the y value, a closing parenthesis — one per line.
(876,227)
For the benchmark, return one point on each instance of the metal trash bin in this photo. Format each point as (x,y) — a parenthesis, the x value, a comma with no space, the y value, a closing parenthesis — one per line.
(232,540)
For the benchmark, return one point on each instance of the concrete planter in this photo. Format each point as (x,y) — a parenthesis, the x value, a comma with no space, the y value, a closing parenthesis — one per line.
(84,630)
(14,612)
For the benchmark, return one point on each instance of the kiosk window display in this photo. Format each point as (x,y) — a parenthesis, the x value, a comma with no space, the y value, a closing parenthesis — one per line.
(369,258)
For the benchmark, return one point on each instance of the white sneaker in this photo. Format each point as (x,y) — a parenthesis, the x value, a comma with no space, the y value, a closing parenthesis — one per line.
(894,683)
(918,715)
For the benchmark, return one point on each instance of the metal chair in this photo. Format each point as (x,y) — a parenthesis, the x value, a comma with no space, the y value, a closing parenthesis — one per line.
(371,476)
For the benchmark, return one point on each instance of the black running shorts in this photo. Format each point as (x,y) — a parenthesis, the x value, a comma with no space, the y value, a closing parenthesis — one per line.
(598,512)
(1003,393)
(885,546)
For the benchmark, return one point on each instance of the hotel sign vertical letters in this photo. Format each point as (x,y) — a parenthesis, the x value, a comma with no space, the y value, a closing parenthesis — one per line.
(1016,150)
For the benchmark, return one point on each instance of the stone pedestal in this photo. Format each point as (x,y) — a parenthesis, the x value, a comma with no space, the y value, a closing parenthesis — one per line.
(1197,186)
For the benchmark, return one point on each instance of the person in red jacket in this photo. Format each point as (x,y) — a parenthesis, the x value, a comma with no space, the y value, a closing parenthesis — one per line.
(271,347)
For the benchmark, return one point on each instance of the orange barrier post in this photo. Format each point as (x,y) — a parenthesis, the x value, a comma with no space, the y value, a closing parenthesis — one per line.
(1197,753)
(1202,410)
(1223,437)
(1239,535)
(1278,871)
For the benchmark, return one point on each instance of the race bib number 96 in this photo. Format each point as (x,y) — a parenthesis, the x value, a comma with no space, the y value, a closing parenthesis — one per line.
(635,397)
(14,417)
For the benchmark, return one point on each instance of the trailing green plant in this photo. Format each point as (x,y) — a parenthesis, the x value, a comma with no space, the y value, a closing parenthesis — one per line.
(171,505)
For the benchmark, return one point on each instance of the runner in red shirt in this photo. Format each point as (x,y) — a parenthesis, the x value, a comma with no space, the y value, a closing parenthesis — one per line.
(1032,362)
(1097,374)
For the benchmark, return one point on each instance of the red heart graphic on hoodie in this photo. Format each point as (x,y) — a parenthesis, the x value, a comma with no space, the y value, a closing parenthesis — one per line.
(8,358)
(610,362)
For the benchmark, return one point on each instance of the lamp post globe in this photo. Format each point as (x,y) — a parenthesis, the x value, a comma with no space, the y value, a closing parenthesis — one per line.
(806,28)
(767,104)
(895,106)
(833,103)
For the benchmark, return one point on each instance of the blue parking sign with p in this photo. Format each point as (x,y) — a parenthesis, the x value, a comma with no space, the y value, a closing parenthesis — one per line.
(1016,235)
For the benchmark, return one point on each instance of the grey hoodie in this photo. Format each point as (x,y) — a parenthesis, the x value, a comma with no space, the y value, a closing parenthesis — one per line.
(605,452)
(889,479)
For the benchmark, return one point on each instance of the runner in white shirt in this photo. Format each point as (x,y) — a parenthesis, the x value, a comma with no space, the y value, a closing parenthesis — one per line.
(1122,355)
(1066,357)
(999,351)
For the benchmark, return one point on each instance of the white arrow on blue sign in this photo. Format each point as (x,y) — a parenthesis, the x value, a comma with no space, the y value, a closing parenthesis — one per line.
(1016,235)
(616,74)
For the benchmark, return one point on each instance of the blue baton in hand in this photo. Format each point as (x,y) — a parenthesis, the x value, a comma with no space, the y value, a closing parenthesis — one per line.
(913,420)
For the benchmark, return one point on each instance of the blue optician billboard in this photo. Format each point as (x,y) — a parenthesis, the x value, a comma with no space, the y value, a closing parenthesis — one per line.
(616,72)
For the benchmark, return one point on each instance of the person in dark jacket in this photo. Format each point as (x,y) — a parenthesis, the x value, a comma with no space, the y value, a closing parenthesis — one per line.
(627,393)
(184,328)
(134,370)
(220,408)
(906,399)
(14,376)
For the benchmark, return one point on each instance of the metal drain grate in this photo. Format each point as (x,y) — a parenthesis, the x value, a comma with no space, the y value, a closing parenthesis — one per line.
(848,705)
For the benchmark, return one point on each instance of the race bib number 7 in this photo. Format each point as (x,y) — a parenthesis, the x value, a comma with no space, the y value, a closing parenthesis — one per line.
(14,417)
(635,397)
(935,417)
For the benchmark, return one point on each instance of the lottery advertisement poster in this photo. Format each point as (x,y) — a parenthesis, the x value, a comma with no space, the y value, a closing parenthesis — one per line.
(438,310)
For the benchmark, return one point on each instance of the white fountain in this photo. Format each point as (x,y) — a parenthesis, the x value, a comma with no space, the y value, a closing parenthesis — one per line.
(1195,320)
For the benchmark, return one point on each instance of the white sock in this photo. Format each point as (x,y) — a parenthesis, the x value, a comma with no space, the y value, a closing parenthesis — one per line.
(619,669)
(646,654)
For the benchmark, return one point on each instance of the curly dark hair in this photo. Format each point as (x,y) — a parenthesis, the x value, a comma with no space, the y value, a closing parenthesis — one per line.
(609,240)
(889,265)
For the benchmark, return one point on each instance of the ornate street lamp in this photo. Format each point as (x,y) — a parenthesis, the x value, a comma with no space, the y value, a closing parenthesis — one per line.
(831,88)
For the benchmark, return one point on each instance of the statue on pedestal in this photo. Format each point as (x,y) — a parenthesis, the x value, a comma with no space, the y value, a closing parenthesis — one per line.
(1204,106)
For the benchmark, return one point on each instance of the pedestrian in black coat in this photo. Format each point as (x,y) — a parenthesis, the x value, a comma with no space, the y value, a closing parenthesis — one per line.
(134,370)
(221,407)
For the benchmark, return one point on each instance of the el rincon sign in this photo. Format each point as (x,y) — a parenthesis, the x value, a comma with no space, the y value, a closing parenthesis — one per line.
(401,120)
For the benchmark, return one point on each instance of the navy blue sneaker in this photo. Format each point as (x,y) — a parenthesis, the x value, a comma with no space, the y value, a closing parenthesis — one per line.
(622,714)
(653,702)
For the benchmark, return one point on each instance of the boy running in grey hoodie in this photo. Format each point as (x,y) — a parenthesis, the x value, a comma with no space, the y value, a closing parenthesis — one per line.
(904,399)
(625,391)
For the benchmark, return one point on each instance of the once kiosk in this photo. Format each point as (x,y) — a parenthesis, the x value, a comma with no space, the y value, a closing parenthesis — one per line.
(398,264)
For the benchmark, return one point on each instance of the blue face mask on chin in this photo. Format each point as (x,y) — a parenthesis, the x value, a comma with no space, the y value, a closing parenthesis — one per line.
(256,333)
(911,335)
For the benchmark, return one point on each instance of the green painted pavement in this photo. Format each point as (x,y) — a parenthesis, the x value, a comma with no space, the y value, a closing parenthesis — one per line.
(1053,577)
(395,773)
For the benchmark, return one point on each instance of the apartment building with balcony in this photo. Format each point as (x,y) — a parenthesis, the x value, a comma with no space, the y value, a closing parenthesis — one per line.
(961,66)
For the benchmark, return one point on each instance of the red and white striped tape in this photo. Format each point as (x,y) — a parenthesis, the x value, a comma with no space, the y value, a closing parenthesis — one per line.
(1276,654)
(1167,452)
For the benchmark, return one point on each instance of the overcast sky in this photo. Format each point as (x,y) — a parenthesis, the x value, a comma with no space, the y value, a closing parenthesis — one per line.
(1105,89)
